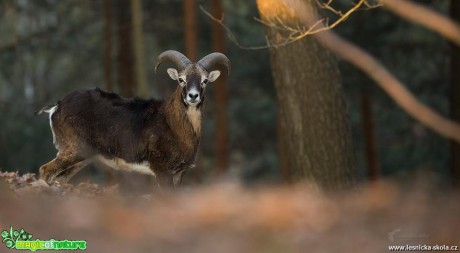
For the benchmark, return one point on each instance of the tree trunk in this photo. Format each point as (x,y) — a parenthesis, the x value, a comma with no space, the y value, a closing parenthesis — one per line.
(125,60)
(190,29)
(108,45)
(138,39)
(108,66)
(455,96)
(312,105)
(282,155)
(367,119)
(220,88)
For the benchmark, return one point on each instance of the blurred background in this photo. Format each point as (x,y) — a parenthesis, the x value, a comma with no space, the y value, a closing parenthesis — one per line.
(49,48)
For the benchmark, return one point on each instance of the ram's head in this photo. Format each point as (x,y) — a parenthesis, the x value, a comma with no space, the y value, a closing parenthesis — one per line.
(193,77)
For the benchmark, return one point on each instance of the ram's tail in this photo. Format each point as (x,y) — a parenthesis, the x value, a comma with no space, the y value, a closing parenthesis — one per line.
(46,108)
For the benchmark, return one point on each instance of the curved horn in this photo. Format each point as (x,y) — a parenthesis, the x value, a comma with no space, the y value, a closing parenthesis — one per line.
(175,57)
(210,60)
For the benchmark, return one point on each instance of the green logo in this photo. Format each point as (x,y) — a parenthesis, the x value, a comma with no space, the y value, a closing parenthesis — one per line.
(21,240)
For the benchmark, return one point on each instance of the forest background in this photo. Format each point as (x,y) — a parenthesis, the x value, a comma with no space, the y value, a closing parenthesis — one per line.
(49,48)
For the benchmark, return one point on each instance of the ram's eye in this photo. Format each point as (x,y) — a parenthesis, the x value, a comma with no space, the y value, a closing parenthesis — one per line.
(205,81)
(181,80)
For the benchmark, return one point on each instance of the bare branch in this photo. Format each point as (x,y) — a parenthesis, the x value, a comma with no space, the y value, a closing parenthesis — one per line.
(328,6)
(390,84)
(231,36)
(295,33)
(425,17)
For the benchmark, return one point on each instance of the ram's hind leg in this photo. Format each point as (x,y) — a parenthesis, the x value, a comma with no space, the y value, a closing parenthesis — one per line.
(62,165)
(71,171)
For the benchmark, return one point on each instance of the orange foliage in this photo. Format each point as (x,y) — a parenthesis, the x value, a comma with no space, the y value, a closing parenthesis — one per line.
(227,217)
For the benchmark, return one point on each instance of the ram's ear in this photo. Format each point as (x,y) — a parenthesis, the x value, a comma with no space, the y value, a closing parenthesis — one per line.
(173,73)
(213,75)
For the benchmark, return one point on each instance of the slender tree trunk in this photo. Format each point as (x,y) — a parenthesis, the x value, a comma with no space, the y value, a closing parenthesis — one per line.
(312,105)
(455,96)
(367,119)
(12,20)
(191,48)
(138,39)
(11,30)
(19,66)
(190,29)
(220,88)
(125,60)
(367,116)
(108,45)
(108,80)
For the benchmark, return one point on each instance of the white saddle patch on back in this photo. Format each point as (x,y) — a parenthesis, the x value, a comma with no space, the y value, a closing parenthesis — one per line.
(120,164)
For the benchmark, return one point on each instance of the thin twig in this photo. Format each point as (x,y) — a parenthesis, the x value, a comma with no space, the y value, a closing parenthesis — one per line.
(328,6)
(295,33)
(229,32)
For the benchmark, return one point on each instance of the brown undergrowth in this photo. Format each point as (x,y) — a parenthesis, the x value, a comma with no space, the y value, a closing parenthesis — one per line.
(228,217)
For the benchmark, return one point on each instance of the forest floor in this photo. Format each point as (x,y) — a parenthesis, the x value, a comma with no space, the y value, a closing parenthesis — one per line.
(229,217)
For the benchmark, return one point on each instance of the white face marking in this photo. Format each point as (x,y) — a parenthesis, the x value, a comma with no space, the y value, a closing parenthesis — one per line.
(120,164)
(183,79)
(204,81)
(193,97)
